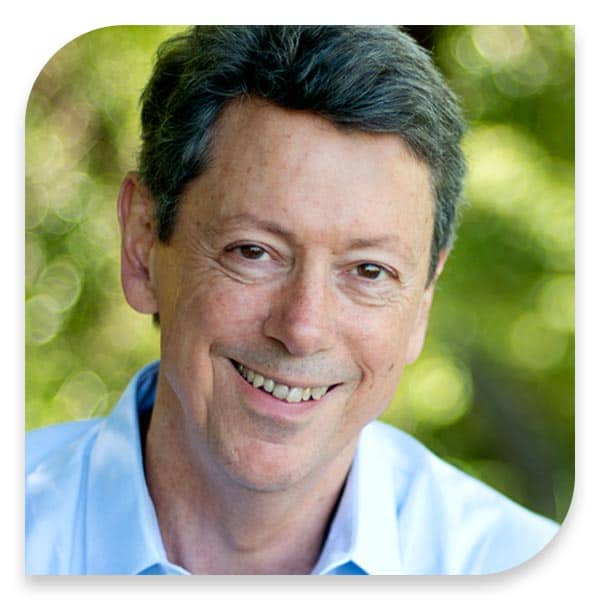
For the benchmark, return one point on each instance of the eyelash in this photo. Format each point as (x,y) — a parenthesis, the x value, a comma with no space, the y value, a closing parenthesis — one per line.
(240,249)
(369,267)
(380,270)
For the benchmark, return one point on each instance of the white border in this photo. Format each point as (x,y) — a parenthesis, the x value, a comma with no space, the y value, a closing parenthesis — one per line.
(35,31)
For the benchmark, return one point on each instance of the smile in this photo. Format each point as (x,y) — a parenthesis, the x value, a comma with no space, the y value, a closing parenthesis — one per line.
(281,391)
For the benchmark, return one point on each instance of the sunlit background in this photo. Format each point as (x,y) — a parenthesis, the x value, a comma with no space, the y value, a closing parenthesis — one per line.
(494,389)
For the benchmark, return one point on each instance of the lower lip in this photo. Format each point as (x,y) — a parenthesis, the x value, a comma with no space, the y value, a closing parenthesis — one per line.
(266,403)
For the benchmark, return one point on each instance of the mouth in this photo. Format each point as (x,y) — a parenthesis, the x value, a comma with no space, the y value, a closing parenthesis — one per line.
(280,390)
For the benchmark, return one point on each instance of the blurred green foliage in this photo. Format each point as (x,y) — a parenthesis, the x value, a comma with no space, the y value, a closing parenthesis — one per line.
(494,389)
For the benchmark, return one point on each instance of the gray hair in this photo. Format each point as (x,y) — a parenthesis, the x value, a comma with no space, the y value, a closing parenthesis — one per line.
(375,79)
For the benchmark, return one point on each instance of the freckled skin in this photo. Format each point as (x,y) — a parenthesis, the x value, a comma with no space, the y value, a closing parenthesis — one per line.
(301,314)
(315,204)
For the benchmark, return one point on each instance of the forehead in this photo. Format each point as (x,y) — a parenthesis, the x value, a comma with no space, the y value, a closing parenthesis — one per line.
(289,164)
(256,131)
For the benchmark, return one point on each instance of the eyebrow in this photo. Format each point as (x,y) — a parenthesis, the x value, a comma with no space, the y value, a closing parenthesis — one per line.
(248,218)
(384,240)
(393,242)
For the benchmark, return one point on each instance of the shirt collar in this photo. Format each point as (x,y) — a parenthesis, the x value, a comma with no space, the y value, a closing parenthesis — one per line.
(364,532)
(123,525)
(124,536)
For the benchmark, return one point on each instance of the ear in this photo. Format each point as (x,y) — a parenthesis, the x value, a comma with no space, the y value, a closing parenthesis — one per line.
(417,338)
(138,242)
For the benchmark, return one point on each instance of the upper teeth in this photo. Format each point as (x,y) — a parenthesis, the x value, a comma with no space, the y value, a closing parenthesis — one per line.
(280,390)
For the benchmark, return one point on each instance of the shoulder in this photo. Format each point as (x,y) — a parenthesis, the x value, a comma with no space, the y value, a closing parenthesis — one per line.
(73,473)
(462,524)
(46,442)
(56,468)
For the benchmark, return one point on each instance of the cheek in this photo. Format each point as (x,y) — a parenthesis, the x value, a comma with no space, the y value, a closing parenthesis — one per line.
(199,323)
(380,347)
(234,308)
(381,338)
(218,310)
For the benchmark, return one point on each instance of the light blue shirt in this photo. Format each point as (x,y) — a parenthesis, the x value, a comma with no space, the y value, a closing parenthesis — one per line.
(403,510)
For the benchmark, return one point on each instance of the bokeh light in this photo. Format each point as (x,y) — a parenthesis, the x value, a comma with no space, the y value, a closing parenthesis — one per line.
(493,390)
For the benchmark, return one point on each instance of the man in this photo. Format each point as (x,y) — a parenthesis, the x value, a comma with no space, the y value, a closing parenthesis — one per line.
(293,209)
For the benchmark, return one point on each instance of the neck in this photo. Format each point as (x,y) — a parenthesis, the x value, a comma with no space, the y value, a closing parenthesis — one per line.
(212,524)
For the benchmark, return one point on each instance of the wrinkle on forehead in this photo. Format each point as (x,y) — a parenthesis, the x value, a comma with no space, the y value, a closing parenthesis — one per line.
(263,153)
(217,226)
(238,122)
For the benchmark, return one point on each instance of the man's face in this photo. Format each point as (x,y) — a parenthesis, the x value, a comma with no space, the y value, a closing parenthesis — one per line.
(301,254)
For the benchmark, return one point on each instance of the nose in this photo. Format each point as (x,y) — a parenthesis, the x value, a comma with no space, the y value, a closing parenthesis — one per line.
(303,312)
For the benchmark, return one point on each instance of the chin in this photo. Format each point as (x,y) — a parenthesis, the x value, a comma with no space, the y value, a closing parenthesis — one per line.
(266,467)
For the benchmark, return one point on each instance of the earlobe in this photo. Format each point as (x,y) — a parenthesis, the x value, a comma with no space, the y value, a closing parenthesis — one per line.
(138,242)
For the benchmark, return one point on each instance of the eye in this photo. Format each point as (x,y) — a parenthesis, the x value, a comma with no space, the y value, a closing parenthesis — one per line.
(370,271)
(251,252)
